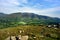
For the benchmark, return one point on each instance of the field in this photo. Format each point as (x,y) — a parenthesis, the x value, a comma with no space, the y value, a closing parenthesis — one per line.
(39,32)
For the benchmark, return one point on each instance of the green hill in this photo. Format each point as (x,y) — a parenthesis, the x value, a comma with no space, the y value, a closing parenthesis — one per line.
(33,25)
(15,19)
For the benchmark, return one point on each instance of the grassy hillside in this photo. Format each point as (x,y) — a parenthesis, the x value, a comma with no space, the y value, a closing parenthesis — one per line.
(15,19)
(30,23)
(40,32)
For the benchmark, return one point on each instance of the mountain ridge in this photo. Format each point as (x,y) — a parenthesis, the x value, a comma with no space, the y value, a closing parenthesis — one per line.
(26,18)
(1,13)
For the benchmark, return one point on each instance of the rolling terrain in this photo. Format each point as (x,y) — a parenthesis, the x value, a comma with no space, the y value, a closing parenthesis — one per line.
(15,19)
(34,25)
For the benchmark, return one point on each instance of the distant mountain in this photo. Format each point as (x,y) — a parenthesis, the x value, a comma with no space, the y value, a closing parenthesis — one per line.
(2,14)
(26,18)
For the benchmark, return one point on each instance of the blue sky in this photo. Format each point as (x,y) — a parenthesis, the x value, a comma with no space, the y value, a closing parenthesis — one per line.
(41,7)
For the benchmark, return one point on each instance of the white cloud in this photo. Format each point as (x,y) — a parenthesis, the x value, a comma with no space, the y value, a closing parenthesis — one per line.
(51,9)
(47,12)
(30,9)
(50,12)
(12,2)
(9,2)
(18,9)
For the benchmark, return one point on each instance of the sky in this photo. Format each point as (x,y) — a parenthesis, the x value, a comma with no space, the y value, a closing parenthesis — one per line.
(41,7)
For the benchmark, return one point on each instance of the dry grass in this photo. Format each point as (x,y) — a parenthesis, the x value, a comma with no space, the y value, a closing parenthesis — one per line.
(38,31)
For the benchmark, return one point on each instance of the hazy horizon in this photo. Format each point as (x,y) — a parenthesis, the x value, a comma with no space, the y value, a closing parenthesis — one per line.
(42,7)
